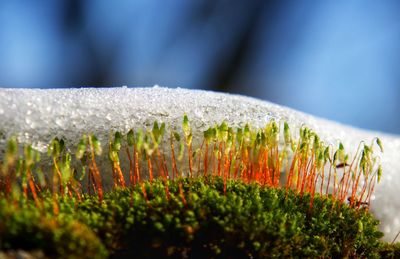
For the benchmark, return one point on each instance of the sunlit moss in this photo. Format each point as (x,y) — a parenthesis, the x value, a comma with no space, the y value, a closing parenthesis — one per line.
(248,192)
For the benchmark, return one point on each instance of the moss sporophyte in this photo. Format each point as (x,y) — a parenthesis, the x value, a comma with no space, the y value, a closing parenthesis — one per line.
(233,191)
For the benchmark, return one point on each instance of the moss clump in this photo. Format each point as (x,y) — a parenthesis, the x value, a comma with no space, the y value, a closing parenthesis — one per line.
(194,219)
(24,226)
(247,194)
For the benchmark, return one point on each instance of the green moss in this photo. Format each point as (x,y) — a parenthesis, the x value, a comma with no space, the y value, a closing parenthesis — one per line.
(248,221)
(23,226)
(247,194)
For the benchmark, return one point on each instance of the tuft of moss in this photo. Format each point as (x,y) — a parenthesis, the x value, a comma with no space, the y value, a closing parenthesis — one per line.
(248,193)
(197,219)
(26,227)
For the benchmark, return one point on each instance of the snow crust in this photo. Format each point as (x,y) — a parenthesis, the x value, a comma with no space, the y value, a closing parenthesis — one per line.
(36,116)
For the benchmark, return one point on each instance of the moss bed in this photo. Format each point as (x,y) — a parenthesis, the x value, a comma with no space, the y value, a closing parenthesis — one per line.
(241,193)
(195,220)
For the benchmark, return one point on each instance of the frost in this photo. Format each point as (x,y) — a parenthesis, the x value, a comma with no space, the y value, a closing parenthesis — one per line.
(36,116)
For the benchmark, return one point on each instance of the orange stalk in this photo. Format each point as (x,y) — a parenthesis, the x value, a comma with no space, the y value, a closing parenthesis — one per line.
(164,164)
(131,176)
(182,194)
(299,174)
(206,159)
(174,168)
(291,172)
(329,179)
(96,173)
(226,171)
(312,195)
(219,158)
(199,158)
(190,159)
(355,185)
(137,171)
(277,173)
(160,165)
(369,194)
(365,186)
(32,187)
(150,167)
(305,177)
(322,179)
(119,175)
(59,175)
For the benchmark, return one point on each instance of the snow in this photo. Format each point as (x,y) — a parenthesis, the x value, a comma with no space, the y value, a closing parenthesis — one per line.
(36,116)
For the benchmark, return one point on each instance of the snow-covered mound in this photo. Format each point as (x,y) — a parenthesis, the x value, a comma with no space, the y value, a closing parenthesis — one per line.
(37,116)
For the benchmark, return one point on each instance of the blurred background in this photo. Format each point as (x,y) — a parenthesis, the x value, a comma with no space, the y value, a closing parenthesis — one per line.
(335,59)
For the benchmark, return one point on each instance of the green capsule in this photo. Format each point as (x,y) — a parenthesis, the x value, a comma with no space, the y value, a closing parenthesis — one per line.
(96,145)
(222,131)
(379,143)
(139,139)
(316,142)
(326,154)
(162,129)
(62,145)
(29,155)
(36,156)
(186,125)
(379,173)
(130,138)
(340,153)
(113,156)
(189,139)
(81,148)
(335,156)
(286,133)
(208,134)
(177,136)
(11,150)
(239,136)
(155,131)
(181,151)
(116,144)
(320,160)
(68,159)
(54,149)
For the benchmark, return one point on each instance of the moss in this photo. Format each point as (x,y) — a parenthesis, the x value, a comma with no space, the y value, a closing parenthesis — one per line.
(248,221)
(390,250)
(27,227)
(247,194)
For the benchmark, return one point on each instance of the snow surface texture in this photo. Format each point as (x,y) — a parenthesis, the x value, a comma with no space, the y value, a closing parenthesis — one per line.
(37,116)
